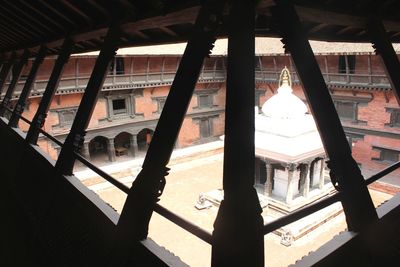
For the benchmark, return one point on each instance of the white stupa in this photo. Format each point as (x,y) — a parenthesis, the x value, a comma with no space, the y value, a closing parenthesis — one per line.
(285,131)
(289,151)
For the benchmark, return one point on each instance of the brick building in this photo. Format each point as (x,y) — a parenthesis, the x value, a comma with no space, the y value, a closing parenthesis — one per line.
(139,79)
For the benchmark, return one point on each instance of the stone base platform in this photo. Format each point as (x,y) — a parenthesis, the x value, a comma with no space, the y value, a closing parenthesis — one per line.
(274,209)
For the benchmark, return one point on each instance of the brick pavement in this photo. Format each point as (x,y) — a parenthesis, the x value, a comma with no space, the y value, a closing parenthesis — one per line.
(184,184)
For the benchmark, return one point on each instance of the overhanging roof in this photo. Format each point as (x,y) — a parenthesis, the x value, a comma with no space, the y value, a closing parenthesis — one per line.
(27,24)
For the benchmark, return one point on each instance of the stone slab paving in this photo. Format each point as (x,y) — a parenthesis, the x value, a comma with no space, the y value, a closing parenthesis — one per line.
(184,184)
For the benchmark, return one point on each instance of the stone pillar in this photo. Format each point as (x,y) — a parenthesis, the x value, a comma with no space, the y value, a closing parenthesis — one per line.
(291,183)
(322,172)
(304,180)
(257,174)
(133,144)
(270,176)
(307,182)
(85,150)
(111,149)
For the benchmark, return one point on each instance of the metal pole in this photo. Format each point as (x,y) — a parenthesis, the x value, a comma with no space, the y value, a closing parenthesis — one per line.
(51,88)
(19,108)
(345,174)
(75,138)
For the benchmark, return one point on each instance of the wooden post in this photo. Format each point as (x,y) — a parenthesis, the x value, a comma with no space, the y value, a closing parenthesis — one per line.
(149,184)
(75,138)
(11,88)
(19,108)
(345,174)
(5,70)
(238,239)
(384,49)
(51,88)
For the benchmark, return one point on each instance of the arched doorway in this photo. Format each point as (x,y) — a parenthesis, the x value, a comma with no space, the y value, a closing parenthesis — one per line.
(143,139)
(122,144)
(98,148)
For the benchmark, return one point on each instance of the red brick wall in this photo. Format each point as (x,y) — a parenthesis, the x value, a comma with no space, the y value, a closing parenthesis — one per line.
(374,112)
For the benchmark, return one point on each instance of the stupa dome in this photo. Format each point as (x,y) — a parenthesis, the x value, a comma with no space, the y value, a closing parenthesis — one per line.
(284,104)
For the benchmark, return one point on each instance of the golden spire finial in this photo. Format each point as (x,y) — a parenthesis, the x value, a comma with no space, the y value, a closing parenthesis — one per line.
(285,78)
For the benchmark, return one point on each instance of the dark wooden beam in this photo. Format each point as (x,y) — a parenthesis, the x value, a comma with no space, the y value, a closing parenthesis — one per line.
(345,30)
(105,13)
(75,138)
(32,20)
(51,88)
(168,31)
(59,13)
(11,87)
(318,27)
(385,50)
(16,27)
(345,174)
(238,239)
(5,70)
(69,5)
(23,97)
(149,184)
(39,13)
(22,25)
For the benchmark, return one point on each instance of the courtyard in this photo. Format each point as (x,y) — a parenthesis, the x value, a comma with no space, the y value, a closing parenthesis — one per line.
(189,177)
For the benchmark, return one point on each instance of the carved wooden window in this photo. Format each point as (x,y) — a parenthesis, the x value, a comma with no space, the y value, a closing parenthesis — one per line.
(205,101)
(394,117)
(66,116)
(118,64)
(205,128)
(205,98)
(119,106)
(347,64)
(346,110)
(387,155)
(160,102)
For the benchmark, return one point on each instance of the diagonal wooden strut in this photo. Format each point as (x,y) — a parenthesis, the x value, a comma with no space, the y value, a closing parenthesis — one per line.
(75,138)
(5,70)
(345,174)
(148,186)
(19,107)
(385,50)
(51,88)
(11,87)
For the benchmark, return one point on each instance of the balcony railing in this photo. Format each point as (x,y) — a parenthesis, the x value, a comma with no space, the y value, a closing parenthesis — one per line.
(364,80)
(140,80)
(112,82)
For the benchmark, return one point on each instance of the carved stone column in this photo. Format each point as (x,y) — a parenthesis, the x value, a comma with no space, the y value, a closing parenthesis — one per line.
(304,180)
(85,150)
(322,172)
(291,183)
(133,144)
(111,149)
(270,176)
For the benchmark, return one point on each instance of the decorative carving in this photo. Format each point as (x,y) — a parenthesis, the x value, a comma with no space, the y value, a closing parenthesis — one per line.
(287,238)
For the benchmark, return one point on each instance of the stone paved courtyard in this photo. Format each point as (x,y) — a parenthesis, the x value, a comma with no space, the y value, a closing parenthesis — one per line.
(184,184)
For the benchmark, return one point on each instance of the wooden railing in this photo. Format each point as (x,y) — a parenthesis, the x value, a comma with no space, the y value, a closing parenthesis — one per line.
(198,231)
(140,80)
(369,80)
